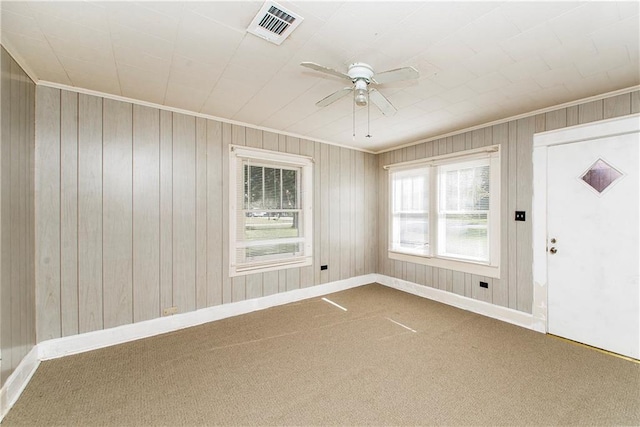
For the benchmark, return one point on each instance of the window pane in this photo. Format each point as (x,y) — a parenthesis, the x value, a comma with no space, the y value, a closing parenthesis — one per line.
(464,210)
(272,188)
(410,205)
(411,233)
(465,236)
(289,189)
(266,252)
(256,195)
(262,225)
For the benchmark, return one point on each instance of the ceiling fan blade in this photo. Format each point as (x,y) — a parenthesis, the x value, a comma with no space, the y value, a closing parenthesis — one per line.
(382,103)
(324,69)
(334,97)
(399,74)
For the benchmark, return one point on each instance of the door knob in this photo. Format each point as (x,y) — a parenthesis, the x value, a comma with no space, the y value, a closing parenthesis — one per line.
(553,250)
(553,240)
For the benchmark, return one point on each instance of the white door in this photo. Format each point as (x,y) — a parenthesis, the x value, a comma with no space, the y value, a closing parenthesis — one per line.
(593,260)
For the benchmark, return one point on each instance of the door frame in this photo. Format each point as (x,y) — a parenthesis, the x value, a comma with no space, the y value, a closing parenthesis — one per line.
(541,143)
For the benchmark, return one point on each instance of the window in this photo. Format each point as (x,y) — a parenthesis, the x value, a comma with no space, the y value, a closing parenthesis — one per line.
(270,220)
(445,211)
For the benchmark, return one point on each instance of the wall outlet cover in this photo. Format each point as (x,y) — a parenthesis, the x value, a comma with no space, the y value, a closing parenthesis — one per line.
(169,311)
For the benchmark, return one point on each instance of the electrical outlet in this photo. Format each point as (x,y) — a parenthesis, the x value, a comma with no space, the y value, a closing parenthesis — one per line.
(170,311)
(484,285)
(324,267)
(520,216)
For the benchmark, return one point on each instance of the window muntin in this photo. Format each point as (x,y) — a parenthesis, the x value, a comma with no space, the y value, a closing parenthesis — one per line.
(271,215)
(444,211)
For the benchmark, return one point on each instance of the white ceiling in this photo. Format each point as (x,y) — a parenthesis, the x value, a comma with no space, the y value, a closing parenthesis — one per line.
(478,61)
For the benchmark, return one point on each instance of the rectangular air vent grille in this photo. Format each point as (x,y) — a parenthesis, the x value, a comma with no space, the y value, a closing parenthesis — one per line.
(274,23)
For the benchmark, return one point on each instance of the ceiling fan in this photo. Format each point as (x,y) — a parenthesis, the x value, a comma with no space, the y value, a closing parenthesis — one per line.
(362,75)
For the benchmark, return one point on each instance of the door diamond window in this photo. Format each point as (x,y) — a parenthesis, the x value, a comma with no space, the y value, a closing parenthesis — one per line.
(601,175)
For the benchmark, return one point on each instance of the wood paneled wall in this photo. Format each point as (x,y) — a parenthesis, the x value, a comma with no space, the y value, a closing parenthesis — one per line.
(17,283)
(134,215)
(514,289)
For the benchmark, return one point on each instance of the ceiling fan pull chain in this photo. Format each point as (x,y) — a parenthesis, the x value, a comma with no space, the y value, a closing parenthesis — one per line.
(354,115)
(368,116)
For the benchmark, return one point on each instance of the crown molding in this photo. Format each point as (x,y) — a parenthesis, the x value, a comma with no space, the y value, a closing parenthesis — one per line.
(512,118)
(190,113)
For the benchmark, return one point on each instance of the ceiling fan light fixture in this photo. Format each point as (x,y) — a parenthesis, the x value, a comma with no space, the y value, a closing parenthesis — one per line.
(361,92)
(361,97)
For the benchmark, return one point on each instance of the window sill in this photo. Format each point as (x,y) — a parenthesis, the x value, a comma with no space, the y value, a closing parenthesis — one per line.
(246,269)
(450,264)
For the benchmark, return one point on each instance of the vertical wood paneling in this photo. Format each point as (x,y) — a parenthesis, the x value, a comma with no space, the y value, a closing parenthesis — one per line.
(635,102)
(482,294)
(524,189)
(617,106)
(556,119)
(117,213)
(166,210)
(5,215)
(69,212)
(226,281)
(359,213)
(344,208)
(215,213)
(324,201)
(540,125)
(146,213)
(372,231)
(572,115)
(458,283)
(17,218)
(184,212)
(48,207)
(201,212)
(334,213)
(590,112)
(306,273)
(19,193)
(317,220)
(90,287)
(30,309)
(512,202)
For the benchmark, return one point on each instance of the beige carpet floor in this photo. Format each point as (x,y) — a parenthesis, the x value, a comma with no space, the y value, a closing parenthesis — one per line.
(310,363)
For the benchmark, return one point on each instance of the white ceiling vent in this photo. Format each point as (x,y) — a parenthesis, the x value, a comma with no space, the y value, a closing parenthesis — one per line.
(274,23)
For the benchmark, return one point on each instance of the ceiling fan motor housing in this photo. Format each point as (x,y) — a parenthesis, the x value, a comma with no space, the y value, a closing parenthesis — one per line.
(360,71)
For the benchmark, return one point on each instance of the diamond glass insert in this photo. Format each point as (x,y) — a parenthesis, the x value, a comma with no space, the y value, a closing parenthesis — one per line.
(601,175)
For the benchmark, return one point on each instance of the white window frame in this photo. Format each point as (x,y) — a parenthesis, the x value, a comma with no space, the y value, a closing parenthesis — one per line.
(285,160)
(488,269)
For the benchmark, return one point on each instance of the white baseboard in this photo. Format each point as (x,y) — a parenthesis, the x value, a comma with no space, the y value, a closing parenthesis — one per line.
(59,347)
(17,381)
(505,314)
